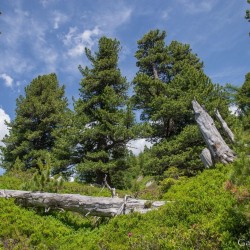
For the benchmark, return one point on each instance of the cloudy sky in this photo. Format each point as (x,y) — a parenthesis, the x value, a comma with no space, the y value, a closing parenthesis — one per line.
(44,36)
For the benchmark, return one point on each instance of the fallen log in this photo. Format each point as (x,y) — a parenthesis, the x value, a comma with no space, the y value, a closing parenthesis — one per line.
(218,148)
(224,125)
(86,205)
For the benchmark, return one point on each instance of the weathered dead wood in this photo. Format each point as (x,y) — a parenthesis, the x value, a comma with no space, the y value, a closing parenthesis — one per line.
(206,158)
(112,190)
(96,206)
(224,125)
(218,148)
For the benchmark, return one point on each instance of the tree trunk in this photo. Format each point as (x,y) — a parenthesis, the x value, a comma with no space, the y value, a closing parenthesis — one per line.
(156,76)
(96,206)
(219,150)
(224,125)
(206,158)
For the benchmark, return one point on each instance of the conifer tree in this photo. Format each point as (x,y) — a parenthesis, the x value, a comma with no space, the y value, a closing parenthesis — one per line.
(155,92)
(243,101)
(168,79)
(102,118)
(39,113)
(243,96)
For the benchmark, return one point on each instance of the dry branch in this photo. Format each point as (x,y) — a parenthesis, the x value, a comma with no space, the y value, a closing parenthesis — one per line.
(224,125)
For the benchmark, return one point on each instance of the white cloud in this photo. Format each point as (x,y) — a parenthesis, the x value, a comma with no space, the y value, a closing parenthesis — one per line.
(137,146)
(165,14)
(22,30)
(3,128)
(8,81)
(77,41)
(234,110)
(46,3)
(110,20)
(105,22)
(58,19)
(227,74)
(194,7)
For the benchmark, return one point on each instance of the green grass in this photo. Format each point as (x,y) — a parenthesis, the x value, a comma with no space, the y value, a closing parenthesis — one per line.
(201,214)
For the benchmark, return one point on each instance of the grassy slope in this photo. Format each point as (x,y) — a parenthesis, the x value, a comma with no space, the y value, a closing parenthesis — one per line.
(203,215)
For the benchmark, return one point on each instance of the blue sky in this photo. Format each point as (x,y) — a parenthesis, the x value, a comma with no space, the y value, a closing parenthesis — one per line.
(43,36)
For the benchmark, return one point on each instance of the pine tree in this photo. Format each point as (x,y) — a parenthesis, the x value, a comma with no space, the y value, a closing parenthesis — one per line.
(243,96)
(102,118)
(158,66)
(168,79)
(243,101)
(39,113)
(63,152)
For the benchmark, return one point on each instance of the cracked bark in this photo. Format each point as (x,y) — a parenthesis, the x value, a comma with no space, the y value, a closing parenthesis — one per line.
(95,206)
(224,126)
(219,150)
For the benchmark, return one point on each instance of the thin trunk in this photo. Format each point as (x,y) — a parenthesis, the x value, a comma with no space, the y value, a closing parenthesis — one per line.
(156,75)
(224,126)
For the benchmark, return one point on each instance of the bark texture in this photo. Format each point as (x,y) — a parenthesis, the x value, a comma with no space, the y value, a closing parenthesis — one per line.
(206,158)
(218,148)
(95,206)
(224,126)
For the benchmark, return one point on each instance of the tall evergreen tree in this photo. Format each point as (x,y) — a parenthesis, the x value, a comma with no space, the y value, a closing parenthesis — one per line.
(158,66)
(38,114)
(102,117)
(168,79)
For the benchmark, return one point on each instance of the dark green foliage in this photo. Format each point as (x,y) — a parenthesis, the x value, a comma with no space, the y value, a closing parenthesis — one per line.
(241,170)
(181,151)
(169,78)
(158,66)
(38,114)
(240,98)
(243,96)
(63,153)
(243,101)
(102,119)
(42,180)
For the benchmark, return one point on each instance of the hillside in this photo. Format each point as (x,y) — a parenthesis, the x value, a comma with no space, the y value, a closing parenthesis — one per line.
(203,212)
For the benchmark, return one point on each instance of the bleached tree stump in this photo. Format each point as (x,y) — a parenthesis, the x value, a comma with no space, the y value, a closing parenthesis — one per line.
(218,148)
(206,158)
(96,206)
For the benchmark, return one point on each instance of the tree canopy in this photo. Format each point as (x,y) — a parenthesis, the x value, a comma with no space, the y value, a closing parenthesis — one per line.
(169,77)
(39,113)
(102,116)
